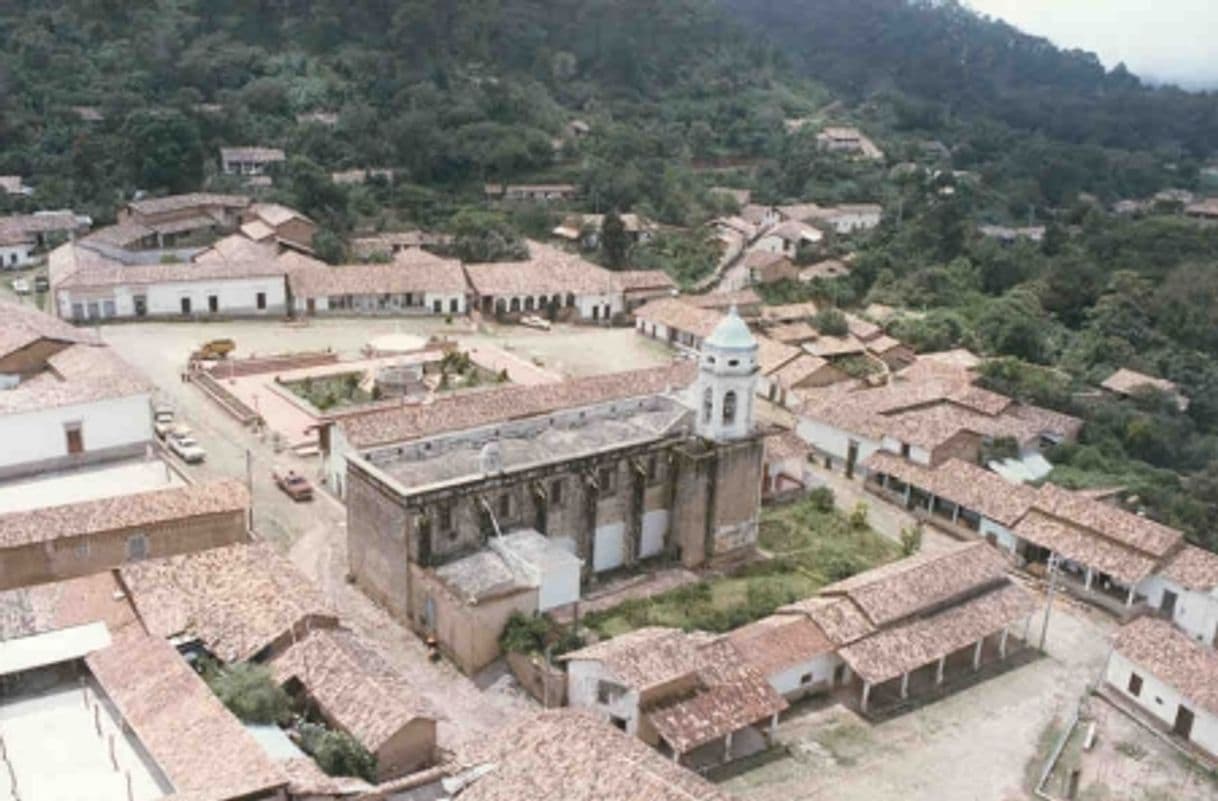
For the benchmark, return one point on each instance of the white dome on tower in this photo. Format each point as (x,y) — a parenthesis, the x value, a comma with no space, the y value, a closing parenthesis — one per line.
(732,333)
(727,380)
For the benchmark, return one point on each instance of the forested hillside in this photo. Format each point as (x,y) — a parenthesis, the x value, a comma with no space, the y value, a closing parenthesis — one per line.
(978,124)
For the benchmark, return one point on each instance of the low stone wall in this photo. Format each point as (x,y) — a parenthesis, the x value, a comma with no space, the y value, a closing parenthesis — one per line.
(546,683)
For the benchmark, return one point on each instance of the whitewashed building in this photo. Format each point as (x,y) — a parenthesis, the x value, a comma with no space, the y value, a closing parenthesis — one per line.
(415,282)
(65,399)
(1170,678)
(1185,591)
(16,250)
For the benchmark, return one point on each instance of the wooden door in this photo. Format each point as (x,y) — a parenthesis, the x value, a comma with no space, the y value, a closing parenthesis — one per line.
(1184,723)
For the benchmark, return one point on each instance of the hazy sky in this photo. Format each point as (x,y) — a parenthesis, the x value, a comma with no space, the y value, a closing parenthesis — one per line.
(1166,40)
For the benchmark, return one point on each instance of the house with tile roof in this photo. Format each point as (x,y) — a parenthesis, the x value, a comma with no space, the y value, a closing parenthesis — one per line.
(413,282)
(699,702)
(66,400)
(1169,679)
(249,160)
(177,217)
(550,282)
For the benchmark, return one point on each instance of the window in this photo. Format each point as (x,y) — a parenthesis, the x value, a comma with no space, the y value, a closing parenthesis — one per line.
(1135,685)
(213,303)
(137,547)
(708,405)
(619,722)
(108,309)
(75,438)
(78,311)
(185,305)
(141,305)
(454,305)
(604,477)
(570,299)
(437,306)
(806,678)
(607,692)
(905,449)
(729,407)
(556,491)
(260,300)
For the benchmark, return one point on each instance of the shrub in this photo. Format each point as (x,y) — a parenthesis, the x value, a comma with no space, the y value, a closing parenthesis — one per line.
(831,323)
(822,499)
(858,516)
(337,753)
(911,539)
(249,692)
(523,634)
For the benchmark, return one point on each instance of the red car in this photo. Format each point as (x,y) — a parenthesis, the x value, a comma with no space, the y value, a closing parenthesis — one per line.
(295,485)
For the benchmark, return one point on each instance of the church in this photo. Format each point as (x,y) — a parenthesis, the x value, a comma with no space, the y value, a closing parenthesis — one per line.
(465,510)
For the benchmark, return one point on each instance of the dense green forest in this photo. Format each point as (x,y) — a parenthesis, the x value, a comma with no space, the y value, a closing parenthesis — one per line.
(979,124)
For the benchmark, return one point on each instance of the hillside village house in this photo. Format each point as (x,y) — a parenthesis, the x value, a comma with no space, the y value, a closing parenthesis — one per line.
(840,139)
(246,602)
(639,287)
(786,238)
(1158,670)
(14,185)
(415,281)
(76,539)
(585,229)
(389,243)
(177,217)
(766,267)
(623,466)
(903,628)
(65,399)
(46,228)
(550,282)
(236,276)
(699,702)
(264,222)
(249,160)
(534,192)
(1128,383)
(17,250)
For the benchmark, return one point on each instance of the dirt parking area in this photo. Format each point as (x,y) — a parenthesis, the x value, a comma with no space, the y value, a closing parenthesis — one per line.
(977,745)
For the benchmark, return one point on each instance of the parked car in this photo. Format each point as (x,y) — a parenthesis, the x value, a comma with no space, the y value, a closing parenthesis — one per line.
(533,321)
(296,486)
(21,286)
(162,421)
(42,283)
(186,447)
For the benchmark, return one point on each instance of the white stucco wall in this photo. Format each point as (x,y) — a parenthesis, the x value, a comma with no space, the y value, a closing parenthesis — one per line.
(559,585)
(39,435)
(235,296)
(1162,701)
(1196,613)
(608,549)
(586,303)
(789,682)
(584,677)
(1002,535)
(15,256)
(655,530)
(833,441)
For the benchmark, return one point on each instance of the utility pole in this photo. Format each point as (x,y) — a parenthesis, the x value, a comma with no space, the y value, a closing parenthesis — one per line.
(249,483)
(1054,564)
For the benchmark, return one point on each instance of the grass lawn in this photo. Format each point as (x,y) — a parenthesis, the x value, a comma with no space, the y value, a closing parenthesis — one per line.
(811,547)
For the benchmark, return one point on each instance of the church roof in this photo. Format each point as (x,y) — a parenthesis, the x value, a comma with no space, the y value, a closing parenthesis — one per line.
(732,333)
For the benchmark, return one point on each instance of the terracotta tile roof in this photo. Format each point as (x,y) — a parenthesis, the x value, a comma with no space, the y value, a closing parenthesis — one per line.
(1085,546)
(573,755)
(237,599)
(1123,527)
(64,604)
(960,482)
(830,346)
(415,274)
(547,271)
(1047,421)
(1169,655)
(773,356)
(779,642)
(199,200)
(724,300)
(352,686)
(1127,382)
(42,222)
(21,326)
(635,280)
(788,312)
(883,344)
(733,695)
(863,329)
(792,333)
(199,745)
(1193,568)
(840,620)
(120,512)
(913,644)
(911,585)
(800,369)
(403,423)
(79,266)
(238,248)
(645,657)
(787,445)
(257,231)
(274,214)
(829,268)
(676,314)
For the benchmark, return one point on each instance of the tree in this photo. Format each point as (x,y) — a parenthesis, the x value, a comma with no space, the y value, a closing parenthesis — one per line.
(480,236)
(337,753)
(831,323)
(329,246)
(249,692)
(165,151)
(615,243)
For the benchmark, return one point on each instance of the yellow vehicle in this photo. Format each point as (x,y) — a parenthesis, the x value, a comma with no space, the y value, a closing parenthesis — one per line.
(214,350)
